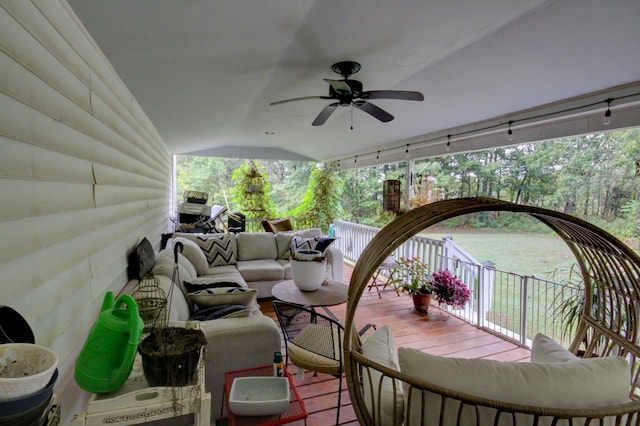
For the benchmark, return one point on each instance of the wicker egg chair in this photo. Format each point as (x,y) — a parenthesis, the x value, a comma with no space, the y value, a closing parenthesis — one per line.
(609,267)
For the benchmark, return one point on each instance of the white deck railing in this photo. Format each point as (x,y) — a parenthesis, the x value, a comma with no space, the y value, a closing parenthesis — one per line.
(513,306)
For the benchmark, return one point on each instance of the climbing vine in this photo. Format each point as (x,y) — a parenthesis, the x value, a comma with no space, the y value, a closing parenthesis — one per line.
(252,191)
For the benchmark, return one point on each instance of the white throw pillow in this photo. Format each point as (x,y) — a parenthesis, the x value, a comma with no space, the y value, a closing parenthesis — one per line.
(589,383)
(544,349)
(388,395)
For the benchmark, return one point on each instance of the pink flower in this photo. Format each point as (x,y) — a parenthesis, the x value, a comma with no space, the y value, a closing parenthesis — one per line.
(448,289)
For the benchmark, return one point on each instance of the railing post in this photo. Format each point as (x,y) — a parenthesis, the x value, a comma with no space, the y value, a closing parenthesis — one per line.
(523,310)
(446,250)
(486,278)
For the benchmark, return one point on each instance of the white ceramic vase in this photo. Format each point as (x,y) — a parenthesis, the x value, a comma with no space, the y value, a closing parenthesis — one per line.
(308,275)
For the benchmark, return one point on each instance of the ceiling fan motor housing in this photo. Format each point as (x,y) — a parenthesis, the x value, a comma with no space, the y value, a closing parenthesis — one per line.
(346,97)
(346,68)
(350,93)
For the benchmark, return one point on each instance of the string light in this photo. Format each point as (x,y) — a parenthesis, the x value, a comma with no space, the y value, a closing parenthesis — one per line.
(356,160)
(606,120)
(510,136)
(448,146)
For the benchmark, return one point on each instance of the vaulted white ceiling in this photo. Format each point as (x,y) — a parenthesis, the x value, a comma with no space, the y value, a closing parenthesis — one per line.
(205,71)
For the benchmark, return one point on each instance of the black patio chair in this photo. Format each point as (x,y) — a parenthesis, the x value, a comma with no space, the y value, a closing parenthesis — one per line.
(313,341)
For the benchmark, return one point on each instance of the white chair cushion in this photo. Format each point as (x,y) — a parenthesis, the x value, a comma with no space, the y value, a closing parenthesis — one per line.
(388,395)
(544,349)
(588,383)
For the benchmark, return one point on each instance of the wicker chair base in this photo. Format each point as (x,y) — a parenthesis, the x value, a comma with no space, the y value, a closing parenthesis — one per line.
(609,324)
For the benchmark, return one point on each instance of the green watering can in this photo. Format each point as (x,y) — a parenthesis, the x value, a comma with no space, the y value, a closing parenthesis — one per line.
(107,357)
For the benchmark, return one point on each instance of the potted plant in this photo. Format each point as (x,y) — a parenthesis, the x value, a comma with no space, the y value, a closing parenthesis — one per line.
(448,289)
(412,277)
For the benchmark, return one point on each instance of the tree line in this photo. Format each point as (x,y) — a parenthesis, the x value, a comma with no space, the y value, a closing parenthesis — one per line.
(593,177)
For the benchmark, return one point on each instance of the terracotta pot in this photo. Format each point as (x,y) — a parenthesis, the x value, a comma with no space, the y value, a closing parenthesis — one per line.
(421,302)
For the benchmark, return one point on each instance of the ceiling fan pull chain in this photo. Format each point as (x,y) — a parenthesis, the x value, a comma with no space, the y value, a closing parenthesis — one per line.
(352,116)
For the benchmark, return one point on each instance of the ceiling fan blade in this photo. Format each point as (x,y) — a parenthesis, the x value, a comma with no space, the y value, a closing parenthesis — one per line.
(299,99)
(324,114)
(392,94)
(339,85)
(375,111)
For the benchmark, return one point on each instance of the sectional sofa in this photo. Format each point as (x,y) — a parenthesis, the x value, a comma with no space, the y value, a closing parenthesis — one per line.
(258,259)
(221,276)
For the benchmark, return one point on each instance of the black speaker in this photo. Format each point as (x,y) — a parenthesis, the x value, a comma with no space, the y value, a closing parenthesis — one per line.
(236,222)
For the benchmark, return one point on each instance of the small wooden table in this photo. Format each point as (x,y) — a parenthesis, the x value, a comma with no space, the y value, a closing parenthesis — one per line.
(296,410)
(330,293)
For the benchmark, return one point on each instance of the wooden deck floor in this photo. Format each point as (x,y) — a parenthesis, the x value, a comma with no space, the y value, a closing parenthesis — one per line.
(437,333)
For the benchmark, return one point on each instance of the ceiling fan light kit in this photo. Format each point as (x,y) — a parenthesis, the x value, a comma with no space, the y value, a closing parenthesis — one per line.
(348,92)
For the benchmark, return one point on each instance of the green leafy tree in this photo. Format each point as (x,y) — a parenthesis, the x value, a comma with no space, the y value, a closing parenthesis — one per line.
(205,174)
(362,195)
(289,182)
(321,203)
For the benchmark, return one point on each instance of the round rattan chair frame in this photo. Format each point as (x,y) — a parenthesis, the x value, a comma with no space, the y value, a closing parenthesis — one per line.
(608,325)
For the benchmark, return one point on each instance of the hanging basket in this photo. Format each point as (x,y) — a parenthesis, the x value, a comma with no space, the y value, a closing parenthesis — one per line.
(170,355)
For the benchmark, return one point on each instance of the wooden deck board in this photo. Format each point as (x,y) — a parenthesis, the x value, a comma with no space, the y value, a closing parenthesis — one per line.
(438,333)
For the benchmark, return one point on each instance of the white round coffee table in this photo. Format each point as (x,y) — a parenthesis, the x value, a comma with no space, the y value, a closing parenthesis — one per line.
(330,293)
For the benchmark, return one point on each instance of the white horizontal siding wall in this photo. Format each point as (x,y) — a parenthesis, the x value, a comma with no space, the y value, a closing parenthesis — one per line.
(83,177)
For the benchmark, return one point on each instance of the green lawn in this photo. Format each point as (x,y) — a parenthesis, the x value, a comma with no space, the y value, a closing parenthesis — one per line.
(543,255)
(523,253)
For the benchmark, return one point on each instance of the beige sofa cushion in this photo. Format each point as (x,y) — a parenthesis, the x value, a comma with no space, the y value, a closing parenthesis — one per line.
(588,383)
(283,240)
(256,245)
(226,269)
(179,308)
(286,265)
(261,270)
(165,265)
(283,244)
(194,254)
